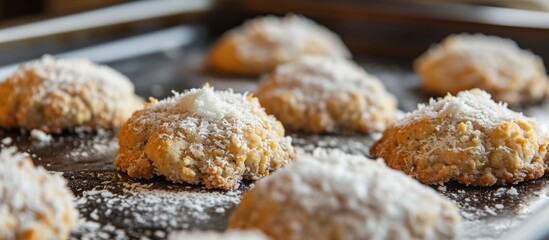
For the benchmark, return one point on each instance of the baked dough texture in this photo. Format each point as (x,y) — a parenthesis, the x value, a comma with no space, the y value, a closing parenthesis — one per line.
(494,64)
(33,203)
(260,44)
(228,235)
(468,138)
(203,136)
(332,195)
(320,94)
(57,94)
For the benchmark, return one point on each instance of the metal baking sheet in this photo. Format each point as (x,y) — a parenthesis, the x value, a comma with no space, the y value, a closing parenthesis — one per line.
(114,206)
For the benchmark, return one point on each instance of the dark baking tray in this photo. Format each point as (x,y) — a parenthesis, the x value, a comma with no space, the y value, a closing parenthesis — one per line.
(114,206)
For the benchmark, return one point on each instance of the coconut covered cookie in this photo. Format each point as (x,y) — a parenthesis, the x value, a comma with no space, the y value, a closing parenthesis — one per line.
(494,64)
(205,137)
(320,94)
(33,203)
(331,195)
(57,94)
(262,43)
(468,138)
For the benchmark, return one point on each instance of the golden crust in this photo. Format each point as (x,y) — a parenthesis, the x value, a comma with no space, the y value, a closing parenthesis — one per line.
(438,148)
(216,158)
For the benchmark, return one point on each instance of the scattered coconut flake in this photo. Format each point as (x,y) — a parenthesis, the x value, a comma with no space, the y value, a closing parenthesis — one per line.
(6,141)
(40,135)
(490,211)
(512,191)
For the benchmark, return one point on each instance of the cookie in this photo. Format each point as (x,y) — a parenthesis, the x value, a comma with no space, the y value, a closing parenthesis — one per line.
(260,44)
(319,94)
(468,138)
(332,195)
(202,136)
(58,94)
(33,203)
(494,64)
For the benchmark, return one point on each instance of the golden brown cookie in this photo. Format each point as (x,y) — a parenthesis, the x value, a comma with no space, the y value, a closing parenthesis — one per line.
(205,137)
(261,44)
(57,94)
(332,195)
(468,138)
(494,64)
(33,204)
(320,94)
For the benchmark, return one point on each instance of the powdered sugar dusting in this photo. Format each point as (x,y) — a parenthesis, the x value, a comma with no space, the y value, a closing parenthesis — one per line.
(133,203)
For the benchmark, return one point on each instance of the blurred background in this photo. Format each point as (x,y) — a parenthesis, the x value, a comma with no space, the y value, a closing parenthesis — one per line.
(392,30)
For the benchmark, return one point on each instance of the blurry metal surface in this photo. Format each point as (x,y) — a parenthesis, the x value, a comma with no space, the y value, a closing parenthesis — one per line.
(158,41)
(406,28)
(123,13)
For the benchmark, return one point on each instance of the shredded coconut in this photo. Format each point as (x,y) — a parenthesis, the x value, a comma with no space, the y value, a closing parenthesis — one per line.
(32,200)
(335,191)
(512,191)
(474,106)
(6,141)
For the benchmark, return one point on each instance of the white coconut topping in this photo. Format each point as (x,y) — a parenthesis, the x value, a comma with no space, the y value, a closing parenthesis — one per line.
(32,200)
(475,106)
(56,73)
(332,195)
